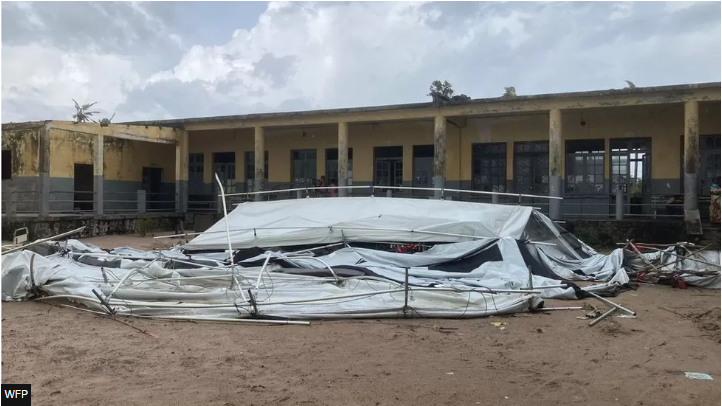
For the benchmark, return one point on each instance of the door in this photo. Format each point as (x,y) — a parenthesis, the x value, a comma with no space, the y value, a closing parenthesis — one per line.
(303,168)
(531,172)
(632,171)
(224,164)
(82,187)
(152,184)
(388,167)
(423,169)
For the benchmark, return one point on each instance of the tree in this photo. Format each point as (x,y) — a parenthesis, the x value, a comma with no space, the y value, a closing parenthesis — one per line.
(630,85)
(510,91)
(438,88)
(82,113)
(460,97)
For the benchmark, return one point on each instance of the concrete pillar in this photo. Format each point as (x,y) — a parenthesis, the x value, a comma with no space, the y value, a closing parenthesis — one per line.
(181,171)
(98,176)
(342,158)
(141,202)
(260,157)
(10,198)
(691,154)
(44,172)
(619,204)
(556,152)
(439,155)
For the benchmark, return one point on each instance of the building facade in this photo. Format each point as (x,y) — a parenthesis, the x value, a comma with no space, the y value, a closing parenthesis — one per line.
(652,144)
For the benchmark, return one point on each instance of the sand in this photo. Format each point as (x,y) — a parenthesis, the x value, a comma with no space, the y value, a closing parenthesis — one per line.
(73,357)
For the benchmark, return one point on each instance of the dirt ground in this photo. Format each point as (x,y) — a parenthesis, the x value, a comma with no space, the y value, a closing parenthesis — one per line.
(76,358)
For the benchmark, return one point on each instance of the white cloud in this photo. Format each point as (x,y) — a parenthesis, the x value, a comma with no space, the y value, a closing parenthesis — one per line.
(55,77)
(326,55)
(621,11)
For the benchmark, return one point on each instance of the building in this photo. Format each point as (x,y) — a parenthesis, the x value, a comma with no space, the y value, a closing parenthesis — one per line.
(650,142)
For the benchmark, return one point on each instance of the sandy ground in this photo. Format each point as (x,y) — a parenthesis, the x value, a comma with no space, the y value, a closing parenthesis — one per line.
(73,357)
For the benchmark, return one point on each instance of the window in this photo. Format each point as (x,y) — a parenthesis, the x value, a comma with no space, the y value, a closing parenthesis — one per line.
(631,165)
(585,167)
(195,163)
(7,158)
(303,168)
(488,167)
(531,167)
(332,166)
(250,157)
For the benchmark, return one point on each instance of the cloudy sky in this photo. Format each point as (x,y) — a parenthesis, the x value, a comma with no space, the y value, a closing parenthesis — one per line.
(172,60)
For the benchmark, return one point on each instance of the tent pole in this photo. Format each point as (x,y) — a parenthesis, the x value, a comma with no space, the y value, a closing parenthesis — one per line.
(406,290)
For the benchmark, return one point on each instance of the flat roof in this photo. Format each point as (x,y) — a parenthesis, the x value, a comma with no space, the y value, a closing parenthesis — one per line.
(410,106)
(672,89)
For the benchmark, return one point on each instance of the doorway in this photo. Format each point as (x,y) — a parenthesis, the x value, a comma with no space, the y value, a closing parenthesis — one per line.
(224,165)
(531,172)
(303,168)
(152,184)
(83,187)
(388,166)
(423,169)
(631,168)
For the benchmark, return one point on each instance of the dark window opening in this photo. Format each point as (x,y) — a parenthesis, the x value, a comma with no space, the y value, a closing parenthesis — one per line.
(488,167)
(83,187)
(7,159)
(585,167)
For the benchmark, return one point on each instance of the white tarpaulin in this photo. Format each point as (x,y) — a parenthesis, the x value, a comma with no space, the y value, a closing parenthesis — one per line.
(368,219)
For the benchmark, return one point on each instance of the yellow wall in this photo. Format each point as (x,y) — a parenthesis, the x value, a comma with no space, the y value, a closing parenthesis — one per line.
(24,146)
(664,124)
(123,159)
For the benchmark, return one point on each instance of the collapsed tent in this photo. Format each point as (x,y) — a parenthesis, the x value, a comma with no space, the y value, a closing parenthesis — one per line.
(329,258)
(675,265)
(536,241)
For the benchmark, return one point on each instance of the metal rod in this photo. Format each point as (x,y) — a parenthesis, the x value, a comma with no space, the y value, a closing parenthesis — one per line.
(605,314)
(228,236)
(609,302)
(36,242)
(406,290)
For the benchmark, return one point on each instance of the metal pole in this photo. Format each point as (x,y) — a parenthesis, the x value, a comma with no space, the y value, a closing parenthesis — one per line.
(406,290)
(619,204)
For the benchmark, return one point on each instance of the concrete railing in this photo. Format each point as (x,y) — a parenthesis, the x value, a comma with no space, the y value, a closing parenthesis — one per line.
(29,203)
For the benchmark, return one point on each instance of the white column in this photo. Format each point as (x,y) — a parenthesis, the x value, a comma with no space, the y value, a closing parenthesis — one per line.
(342,158)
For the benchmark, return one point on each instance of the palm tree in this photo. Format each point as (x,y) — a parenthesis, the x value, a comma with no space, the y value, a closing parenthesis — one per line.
(82,114)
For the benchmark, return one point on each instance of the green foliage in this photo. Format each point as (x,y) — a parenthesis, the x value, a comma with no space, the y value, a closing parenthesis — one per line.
(83,113)
(442,89)
(144,225)
(460,97)
(630,85)
(510,91)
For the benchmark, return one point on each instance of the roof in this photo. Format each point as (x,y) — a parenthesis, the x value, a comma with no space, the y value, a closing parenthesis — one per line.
(548,96)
